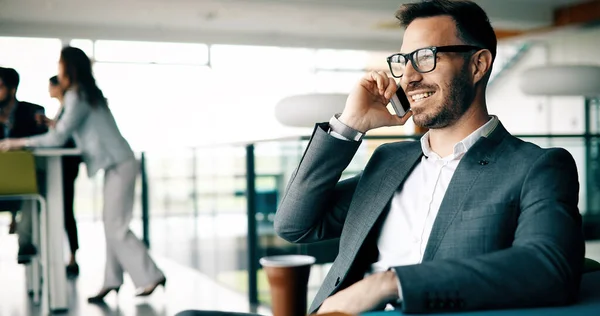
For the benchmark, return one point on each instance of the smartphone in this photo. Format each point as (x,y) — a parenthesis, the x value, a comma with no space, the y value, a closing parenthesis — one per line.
(400,102)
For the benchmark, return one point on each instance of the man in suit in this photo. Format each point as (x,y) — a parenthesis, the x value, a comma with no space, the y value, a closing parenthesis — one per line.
(467,218)
(18,119)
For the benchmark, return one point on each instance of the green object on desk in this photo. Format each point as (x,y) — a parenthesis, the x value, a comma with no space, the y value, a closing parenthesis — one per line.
(588,304)
(17,173)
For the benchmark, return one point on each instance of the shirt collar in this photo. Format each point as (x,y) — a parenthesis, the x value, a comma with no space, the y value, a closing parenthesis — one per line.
(464,145)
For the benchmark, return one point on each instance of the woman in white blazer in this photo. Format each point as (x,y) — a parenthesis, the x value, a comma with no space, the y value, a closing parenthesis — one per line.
(89,121)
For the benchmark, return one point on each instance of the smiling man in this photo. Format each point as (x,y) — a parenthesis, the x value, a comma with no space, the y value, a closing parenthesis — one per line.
(467,218)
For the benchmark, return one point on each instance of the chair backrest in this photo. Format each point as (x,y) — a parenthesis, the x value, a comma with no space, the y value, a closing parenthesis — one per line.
(590,265)
(17,173)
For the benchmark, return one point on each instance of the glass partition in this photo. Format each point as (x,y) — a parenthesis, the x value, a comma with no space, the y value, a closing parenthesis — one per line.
(198,210)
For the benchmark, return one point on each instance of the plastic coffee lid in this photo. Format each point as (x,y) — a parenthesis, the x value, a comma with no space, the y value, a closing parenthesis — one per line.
(287,261)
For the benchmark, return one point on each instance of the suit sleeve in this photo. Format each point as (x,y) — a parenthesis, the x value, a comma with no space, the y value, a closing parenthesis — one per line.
(76,111)
(315,205)
(542,268)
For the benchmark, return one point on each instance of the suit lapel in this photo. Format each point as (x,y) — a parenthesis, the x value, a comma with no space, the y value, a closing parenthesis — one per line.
(377,191)
(476,160)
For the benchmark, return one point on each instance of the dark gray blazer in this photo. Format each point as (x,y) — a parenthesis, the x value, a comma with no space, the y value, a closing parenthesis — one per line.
(508,233)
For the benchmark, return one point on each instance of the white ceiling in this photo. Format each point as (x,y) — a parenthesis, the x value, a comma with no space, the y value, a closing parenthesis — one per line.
(365,24)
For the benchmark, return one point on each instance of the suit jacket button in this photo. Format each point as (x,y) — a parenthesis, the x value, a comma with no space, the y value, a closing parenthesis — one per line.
(337,281)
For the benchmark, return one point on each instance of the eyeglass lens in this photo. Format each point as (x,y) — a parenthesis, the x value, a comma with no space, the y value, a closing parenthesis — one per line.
(423,61)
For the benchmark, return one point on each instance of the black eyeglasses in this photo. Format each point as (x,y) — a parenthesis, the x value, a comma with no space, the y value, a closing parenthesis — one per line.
(423,59)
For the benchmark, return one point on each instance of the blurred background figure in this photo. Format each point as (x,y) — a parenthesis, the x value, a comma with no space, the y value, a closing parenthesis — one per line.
(18,119)
(87,118)
(70,171)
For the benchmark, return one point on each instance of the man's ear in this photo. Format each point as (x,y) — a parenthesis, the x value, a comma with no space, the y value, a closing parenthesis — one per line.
(481,65)
(13,92)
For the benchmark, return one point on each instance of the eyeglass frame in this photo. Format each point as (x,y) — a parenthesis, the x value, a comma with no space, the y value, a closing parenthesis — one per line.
(435,50)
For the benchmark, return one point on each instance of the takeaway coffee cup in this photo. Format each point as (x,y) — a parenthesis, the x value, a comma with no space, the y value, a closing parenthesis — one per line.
(288,279)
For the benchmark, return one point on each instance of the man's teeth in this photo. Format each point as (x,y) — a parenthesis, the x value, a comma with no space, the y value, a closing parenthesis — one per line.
(421,96)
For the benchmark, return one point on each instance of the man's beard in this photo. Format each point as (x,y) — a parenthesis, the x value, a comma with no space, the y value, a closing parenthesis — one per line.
(5,102)
(454,106)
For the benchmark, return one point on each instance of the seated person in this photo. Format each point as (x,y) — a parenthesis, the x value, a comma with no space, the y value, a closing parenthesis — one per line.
(18,119)
(467,218)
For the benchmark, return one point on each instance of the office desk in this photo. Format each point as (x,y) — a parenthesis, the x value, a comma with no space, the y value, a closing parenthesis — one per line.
(588,304)
(54,291)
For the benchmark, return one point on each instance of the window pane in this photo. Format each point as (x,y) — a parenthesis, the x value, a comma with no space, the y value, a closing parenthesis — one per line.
(249,81)
(351,60)
(378,61)
(341,59)
(150,52)
(165,106)
(240,60)
(87,46)
(337,81)
(36,60)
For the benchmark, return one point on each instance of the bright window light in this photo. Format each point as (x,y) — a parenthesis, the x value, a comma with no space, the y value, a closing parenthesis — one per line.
(151,52)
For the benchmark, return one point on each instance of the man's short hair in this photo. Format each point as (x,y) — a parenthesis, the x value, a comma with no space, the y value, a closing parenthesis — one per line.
(472,23)
(10,77)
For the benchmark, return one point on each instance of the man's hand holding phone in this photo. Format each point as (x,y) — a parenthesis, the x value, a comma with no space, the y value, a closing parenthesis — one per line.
(366,105)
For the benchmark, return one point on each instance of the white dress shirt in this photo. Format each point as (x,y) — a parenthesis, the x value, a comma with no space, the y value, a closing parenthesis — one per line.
(415,204)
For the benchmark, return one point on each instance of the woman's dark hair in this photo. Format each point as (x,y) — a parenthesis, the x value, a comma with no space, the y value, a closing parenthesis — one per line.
(54,80)
(78,68)
(472,23)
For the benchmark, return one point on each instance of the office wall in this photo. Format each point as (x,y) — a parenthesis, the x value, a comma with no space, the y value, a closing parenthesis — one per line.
(582,48)
(523,114)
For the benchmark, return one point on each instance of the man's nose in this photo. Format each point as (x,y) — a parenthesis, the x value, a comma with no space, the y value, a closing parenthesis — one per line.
(410,74)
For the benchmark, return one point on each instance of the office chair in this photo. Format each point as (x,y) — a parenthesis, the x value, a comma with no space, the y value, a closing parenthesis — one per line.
(19,183)
(590,265)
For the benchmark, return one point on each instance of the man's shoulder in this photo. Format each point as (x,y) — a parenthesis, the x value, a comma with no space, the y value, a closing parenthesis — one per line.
(523,150)
(396,152)
(399,145)
(30,106)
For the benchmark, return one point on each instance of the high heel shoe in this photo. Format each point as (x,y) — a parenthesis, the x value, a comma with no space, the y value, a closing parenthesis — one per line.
(100,297)
(147,291)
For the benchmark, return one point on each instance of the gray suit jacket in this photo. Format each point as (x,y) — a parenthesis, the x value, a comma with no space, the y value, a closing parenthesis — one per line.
(94,130)
(508,232)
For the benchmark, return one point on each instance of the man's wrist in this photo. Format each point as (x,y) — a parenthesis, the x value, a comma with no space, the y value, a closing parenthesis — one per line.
(391,288)
(352,122)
